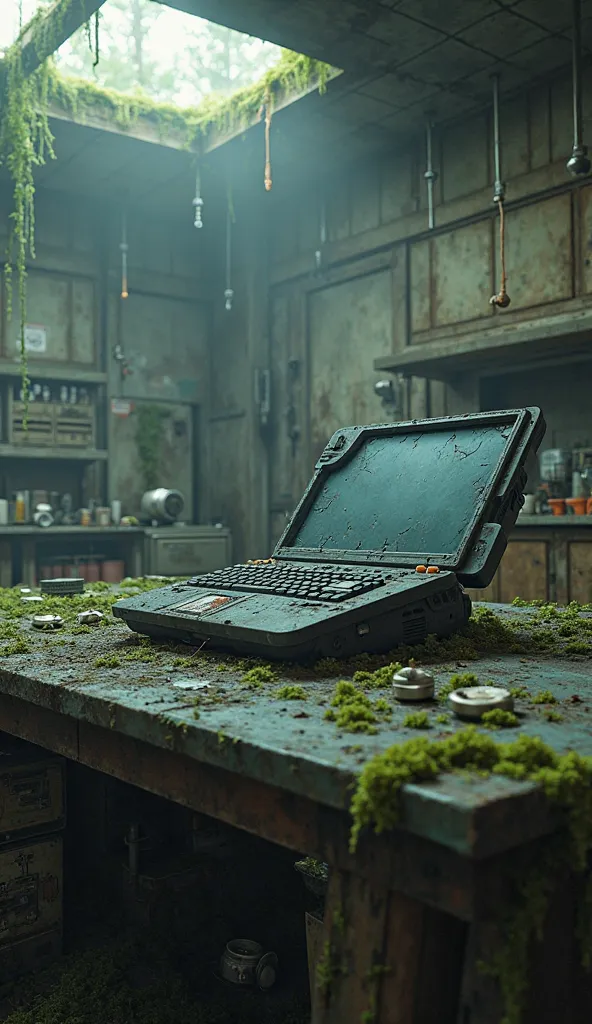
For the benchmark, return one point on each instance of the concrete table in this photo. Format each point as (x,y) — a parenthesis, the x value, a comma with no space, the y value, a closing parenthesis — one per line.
(421,899)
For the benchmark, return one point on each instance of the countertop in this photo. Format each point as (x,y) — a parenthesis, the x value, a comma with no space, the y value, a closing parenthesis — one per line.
(201,706)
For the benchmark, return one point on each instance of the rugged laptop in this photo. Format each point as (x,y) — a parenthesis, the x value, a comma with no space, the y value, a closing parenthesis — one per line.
(395,520)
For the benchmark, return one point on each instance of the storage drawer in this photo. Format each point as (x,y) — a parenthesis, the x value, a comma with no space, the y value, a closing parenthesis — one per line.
(174,553)
(31,884)
(32,798)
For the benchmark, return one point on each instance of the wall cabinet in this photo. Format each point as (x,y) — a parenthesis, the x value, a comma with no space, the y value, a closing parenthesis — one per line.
(545,560)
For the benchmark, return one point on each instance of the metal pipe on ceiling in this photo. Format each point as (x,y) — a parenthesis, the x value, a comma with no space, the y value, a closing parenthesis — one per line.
(499,189)
(430,175)
(578,163)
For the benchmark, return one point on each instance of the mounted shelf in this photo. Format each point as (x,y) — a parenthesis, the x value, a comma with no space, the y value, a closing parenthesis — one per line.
(53,371)
(14,451)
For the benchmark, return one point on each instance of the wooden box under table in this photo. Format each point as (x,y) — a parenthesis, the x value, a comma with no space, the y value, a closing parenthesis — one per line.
(31,884)
(32,792)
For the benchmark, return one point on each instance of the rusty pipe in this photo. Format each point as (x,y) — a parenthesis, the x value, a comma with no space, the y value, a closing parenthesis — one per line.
(578,163)
(430,175)
(499,189)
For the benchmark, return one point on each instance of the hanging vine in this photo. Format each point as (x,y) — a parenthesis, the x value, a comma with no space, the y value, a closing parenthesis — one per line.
(25,142)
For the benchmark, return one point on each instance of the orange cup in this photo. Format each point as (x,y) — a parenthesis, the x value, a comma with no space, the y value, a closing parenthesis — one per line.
(557,506)
(578,505)
(589,507)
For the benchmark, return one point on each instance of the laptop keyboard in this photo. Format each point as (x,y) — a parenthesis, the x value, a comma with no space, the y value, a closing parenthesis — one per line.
(313,583)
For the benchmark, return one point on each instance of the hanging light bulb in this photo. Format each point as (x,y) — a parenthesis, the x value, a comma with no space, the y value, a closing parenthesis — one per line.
(228,292)
(123,248)
(198,201)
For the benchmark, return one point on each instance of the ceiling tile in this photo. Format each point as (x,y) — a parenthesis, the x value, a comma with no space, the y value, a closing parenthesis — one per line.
(359,109)
(447,63)
(398,90)
(511,79)
(547,55)
(503,34)
(407,37)
(450,17)
(555,17)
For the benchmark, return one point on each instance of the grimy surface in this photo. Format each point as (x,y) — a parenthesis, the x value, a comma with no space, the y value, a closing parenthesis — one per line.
(238,716)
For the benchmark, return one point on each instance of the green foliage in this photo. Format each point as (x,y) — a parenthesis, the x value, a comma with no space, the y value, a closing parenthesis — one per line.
(258,676)
(291,693)
(497,718)
(379,678)
(544,697)
(149,429)
(416,720)
(458,681)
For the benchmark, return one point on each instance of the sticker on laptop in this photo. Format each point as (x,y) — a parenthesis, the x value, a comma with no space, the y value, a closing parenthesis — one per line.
(209,603)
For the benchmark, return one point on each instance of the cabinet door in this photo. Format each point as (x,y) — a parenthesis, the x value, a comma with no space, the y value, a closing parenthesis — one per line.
(523,571)
(580,572)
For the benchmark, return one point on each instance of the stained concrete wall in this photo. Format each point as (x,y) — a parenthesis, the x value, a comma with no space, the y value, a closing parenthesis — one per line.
(387,284)
(163,328)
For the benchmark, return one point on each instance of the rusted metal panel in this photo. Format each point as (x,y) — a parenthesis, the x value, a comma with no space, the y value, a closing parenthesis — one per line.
(586,238)
(229,485)
(83,319)
(419,287)
(461,274)
(164,341)
(400,295)
(561,120)
(365,200)
(397,196)
(514,137)
(339,210)
(464,158)
(539,257)
(48,305)
(539,102)
(350,325)
(175,456)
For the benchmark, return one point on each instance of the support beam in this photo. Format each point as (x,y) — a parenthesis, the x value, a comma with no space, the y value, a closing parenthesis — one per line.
(45,34)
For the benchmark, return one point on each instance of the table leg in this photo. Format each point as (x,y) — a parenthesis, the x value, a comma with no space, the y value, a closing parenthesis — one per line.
(351,950)
(28,562)
(5,564)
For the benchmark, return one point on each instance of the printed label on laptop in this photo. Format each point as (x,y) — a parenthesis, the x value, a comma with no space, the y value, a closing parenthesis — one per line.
(209,603)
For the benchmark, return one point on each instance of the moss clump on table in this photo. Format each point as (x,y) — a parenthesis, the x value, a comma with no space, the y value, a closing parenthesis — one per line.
(565,779)
(416,720)
(353,711)
(291,693)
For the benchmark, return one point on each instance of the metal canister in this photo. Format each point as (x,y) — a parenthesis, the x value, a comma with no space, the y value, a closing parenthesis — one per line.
(85,517)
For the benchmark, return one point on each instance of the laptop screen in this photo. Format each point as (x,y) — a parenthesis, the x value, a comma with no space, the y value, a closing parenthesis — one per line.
(412,492)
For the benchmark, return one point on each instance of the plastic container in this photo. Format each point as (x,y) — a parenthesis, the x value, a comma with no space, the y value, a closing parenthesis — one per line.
(577,506)
(112,572)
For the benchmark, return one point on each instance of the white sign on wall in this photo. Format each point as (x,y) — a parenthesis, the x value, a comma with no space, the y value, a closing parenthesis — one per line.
(35,339)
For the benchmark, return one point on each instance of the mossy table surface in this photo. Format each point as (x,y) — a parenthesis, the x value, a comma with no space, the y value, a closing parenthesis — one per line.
(209,709)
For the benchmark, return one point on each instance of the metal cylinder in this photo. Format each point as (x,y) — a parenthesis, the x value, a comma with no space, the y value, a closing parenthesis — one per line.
(162,505)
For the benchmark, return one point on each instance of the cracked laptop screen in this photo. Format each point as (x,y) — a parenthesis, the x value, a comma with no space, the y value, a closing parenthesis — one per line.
(407,493)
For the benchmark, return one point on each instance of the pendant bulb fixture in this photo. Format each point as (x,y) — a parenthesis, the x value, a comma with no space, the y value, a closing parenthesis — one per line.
(431,176)
(322,235)
(123,248)
(579,162)
(268,115)
(198,201)
(228,292)
(501,300)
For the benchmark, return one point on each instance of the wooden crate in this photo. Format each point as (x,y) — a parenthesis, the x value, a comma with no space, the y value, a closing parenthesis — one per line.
(32,797)
(31,886)
(75,426)
(40,423)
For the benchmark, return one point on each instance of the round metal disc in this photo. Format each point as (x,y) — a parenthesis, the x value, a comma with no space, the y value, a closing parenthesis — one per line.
(90,617)
(47,621)
(474,701)
(413,684)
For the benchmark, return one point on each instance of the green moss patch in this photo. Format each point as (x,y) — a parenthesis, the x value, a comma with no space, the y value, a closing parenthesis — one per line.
(497,718)
(416,720)
(258,676)
(291,693)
